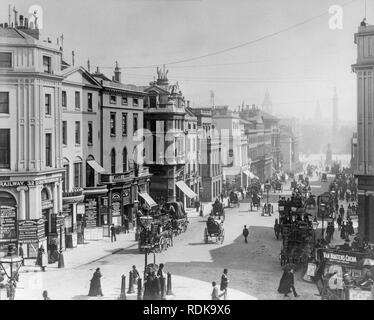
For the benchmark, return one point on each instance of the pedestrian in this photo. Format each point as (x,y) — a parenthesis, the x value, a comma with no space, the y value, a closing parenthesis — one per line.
(287,282)
(339,221)
(135,274)
(113,233)
(222,197)
(20,253)
(341,211)
(277,228)
(224,283)
(343,231)
(126,224)
(197,205)
(41,259)
(95,285)
(45,295)
(215,292)
(245,234)
(162,278)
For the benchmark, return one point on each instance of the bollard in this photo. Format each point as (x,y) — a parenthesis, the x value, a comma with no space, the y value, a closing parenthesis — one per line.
(123,288)
(169,290)
(61,263)
(131,283)
(163,288)
(140,289)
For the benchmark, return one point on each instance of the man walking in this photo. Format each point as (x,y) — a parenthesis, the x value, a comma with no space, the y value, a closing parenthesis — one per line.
(245,234)
(162,278)
(126,224)
(341,211)
(224,283)
(113,233)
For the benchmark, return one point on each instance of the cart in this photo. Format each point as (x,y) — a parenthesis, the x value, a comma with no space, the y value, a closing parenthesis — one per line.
(218,210)
(278,186)
(178,217)
(255,201)
(214,230)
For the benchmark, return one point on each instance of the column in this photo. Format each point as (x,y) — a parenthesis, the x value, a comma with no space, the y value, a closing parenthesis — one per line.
(59,185)
(55,199)
(22,203)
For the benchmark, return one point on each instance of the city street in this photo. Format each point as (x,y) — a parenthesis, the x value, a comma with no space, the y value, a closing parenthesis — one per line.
(254,268)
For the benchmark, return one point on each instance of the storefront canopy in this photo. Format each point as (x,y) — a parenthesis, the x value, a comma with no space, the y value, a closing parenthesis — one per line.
(186,190)
(94,165)
(250,174)
(148,199)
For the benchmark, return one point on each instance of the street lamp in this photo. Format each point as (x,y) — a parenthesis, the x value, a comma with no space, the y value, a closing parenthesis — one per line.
(323,209)
(11,264)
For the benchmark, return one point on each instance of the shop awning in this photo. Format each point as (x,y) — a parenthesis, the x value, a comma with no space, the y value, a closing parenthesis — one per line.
(186,189)
(148,199)
(250,174)
(94,165)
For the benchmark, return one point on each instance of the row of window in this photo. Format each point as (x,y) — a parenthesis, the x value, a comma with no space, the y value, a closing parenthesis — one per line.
(77,133)
(124,101)
(112,124)
(5,149)
(6,62)
(77,100)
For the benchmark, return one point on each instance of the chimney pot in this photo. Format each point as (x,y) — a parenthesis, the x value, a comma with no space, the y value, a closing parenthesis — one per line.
(21,20)
(26,23)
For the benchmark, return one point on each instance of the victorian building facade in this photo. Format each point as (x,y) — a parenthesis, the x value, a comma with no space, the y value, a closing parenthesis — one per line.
(364,69)
(30,139)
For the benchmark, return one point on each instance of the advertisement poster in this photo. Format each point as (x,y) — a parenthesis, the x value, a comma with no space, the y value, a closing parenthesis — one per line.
(30,231)
(116,204)
(91,213)
(8,224)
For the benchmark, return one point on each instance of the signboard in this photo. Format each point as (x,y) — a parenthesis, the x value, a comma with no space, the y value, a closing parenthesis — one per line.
(8,224)
(341,257)
(116,205)
(80,208)
(91,213)
(357,294)
(365,183)
(126,197)
(30,231)
(311,271)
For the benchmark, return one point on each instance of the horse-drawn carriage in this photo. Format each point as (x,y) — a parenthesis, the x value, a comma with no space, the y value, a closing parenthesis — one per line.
(218,210)
(277,186)
(155,233)
(214,229)
(234,199)
(255,201)
(178,216)
(324,177)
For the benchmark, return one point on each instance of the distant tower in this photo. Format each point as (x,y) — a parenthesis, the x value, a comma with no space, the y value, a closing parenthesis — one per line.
(317,112)
(335,119)
(117,73)
(212,99)
(267,105)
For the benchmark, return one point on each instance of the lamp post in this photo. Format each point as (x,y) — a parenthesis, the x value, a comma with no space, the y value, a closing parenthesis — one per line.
(315,226)
(11,264)
(323,209)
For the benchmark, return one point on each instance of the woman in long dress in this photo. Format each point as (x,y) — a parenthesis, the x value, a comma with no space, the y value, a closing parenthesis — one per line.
(95,286)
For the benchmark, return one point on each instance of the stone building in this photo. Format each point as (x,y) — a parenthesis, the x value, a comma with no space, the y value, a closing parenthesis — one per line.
(30,138)
(364,69)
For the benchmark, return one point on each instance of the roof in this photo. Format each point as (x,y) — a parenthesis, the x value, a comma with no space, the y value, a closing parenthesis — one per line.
(71,69)
(13,36)
(268,116)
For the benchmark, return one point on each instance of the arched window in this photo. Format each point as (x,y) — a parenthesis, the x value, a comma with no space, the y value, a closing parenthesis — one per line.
(113,161)
(90,173)
(45,195)
(124,159)
(78,172)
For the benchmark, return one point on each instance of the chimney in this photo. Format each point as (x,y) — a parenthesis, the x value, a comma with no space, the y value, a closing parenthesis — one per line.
(97,69)
(188,103)
(49,41)
(117,73)
(26,23)
(88,65)
(15,17)
(21,20)
(72,58)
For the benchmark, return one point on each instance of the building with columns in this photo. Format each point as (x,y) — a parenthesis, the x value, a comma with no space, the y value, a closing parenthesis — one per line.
(30,139)
(364,69)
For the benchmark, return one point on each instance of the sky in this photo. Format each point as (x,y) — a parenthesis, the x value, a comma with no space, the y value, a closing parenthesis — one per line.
(299,63)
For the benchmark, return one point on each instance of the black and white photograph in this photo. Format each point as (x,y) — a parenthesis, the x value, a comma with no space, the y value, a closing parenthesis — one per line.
(187,150)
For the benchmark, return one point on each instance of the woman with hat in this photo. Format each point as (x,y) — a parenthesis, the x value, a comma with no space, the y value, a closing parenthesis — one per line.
(95,286)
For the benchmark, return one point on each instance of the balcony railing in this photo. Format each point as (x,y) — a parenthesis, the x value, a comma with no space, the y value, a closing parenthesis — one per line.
(75,192)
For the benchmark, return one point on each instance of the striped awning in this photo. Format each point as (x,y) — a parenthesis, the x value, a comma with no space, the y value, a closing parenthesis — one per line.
(186,189)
